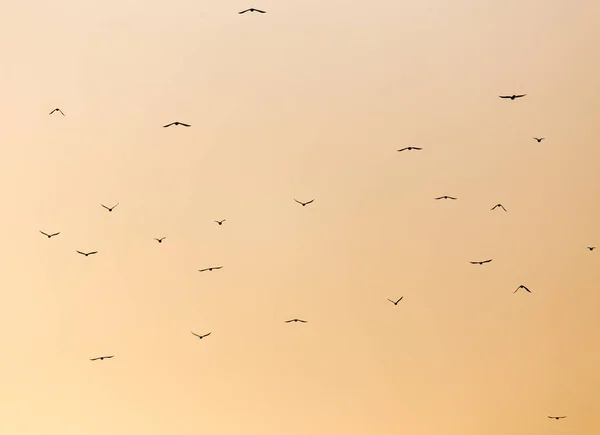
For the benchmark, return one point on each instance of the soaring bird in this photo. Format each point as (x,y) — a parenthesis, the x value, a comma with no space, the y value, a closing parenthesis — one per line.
(303,203)
(445,197)
(410,149)
(539,139)
(101,358)
(591,248)
(221,222)
(110,208)
(556,418)
(57,110)
(177,123)
(512,97)
(88,253)
(499,205)
(210,268)
(295,320)
(160,240)
(251,10)
(480,262)
(200,336)
(49,235)
(396,303)
(522,287)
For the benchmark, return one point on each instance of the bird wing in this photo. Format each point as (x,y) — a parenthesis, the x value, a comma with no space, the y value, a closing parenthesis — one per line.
(168,125)
(415,148)
(451,197)
(502,207)
(55,234)
(115,205)
(504,96)
(243,11)
(205,335)
(391,300)
(403,149)
(93,252)
(109,356)
(185,125)
(202,270)
(312,200)
(81,253)
(105,206)
(258,10)
(297,201)
(216,268)
(475,262)
(486,261)
(288,321)
(528,291)
(61,112)
(195,334)
(43,233)
(303,321)
(401,297)
(519,96)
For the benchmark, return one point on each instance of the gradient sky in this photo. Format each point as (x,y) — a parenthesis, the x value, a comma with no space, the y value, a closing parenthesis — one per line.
(310,100)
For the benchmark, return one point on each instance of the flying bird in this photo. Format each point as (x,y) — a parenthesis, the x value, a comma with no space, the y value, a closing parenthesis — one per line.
(110,208)
(200,336)
(557,417)
(303,203)
(210,268)
(591,248)
(522,287)
(221,222)
(512,97)
(295,320)
(539,139)
(251,10)
(88,253)
(57,110)
(499,205)
(101,358)
(49,235)
(160,240)
(445,197)
(480,262)
(410,149)
(176,123)
(396,303)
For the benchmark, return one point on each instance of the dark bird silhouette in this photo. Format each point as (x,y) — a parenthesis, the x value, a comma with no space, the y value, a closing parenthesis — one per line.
(539,139)
(177,123)
(295,320)
(303,203)
(88,253)
(556,418)
(251,10)
(499,205)
(160,240)
(221,222)
(480,262)
(200,336)
(591,248)
(49,235)
(110,208)
(522,287)
(57,110)
(512,97)
(101,358)
(396,303)
(445,197)
(210,268)
(410,149)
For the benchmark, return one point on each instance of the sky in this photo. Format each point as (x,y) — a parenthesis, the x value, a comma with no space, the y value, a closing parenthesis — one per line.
(310,100)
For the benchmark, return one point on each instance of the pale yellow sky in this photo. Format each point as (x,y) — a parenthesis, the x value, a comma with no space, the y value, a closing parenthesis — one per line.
(310,100)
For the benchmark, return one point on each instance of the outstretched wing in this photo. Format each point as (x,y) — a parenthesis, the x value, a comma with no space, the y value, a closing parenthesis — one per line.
(93,252)
(243,12)
(168,125)
(205,335)
(82,253)
(217,268)
(403,149)
(486,261)
(297,201)
(475,262)
(105,206)
(44,233)
(258,10)
(195,334)
(312,200)
(185,125)
(115,205)
(504,96)
(519,96)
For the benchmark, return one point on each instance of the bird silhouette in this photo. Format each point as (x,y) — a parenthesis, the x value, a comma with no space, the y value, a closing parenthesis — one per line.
(200,336)
(176,123)
(210,269)
(522,287)
(396,303)
(110,208)
(480,262)
(88,253)
(160,240)
(101,357)
(57,110)
(221,222)
(303,203)
(512,97)
(556,418)
(591,248)
(445,197)
(410,149)
(499,205)
(251,10)
(49,235)
(539,139)
(295,320)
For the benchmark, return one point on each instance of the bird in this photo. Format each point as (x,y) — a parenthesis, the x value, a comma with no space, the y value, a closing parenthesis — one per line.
(522,287)
(295,320)
(101,358)
(160,240)
(410,149)
(303,203)
(110,208)
(200,336)
(176,123)
(557,417)
(221,222)
(88,253)
(591,248)
(445,197)
(395,303)
(499,205)
(251,10)
(539,139)
(210,268)
(512,97)
(49,235)
(57,110)
(480,262)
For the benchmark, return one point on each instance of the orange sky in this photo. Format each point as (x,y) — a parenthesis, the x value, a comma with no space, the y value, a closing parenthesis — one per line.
(310,100)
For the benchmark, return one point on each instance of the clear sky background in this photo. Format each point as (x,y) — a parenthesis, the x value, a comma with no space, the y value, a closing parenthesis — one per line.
(310,100)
